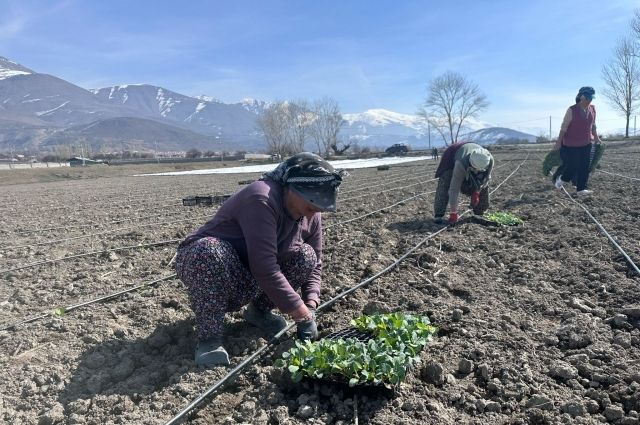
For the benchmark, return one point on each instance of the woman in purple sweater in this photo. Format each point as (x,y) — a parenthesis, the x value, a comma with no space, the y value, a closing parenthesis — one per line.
(262,245)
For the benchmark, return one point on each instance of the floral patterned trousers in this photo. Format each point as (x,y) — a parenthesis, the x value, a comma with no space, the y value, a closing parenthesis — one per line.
(218,282)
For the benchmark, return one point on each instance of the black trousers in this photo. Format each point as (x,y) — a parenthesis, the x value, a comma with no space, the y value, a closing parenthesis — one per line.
(576,164)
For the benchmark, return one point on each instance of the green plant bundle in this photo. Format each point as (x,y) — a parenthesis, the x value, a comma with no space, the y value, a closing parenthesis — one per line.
(600,147)
(396,343)
(504,218)
(552,159)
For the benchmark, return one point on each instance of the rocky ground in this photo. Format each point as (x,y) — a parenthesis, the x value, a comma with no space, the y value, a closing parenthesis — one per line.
(539,323)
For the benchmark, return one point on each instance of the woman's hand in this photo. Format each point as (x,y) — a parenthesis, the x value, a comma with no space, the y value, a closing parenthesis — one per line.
(301,314)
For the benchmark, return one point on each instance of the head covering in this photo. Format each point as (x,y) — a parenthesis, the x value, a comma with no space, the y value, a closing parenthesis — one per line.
(588,92)
(311,177)
(479,159)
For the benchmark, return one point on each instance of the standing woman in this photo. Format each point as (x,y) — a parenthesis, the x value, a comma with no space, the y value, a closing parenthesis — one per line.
(577,132)
(262,245)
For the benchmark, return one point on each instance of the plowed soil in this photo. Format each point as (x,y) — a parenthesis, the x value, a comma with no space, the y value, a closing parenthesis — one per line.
(539,323)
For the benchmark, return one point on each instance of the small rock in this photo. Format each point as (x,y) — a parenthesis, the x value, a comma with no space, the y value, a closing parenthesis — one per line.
(433,373)
(465,366)
(622,339)
(54,415)
(483,371)
(613,413)
(305,412)
(563,370)
(373,307)
(539,402)
(619,320)
(492,406)
(632,311)
(574,408)
(456,315)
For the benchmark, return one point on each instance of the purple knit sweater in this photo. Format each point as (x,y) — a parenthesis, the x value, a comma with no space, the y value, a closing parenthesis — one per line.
(257,225)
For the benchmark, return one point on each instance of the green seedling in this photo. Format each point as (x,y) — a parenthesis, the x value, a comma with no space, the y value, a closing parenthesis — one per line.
(504,218)
(60,311)
(384,359)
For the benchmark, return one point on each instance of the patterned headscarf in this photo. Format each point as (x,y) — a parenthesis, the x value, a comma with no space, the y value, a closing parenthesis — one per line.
(311,177)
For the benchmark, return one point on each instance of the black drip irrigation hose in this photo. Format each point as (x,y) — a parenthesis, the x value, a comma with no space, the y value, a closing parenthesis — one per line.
(64,310)
(87,254)
(604,232)
(109,232)
(326,304)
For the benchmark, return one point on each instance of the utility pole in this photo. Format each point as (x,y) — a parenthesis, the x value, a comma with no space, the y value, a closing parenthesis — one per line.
(82,153)
(429,132)
(550,136)
(156,152)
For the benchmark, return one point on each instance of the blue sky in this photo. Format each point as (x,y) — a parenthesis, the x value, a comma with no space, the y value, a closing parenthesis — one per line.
(529,58)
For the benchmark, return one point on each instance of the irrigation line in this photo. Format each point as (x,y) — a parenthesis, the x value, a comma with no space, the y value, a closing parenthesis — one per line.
(95,224)
(180,221)
(378,210)
(86,254)
(604,232)
(4,248)
(96,300)
(619,175)
(402,178)
(38,263)
(324,305)
(387,190)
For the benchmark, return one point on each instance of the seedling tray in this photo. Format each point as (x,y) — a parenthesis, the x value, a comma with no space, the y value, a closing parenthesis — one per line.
(204,200)
(189,201)
(377,351)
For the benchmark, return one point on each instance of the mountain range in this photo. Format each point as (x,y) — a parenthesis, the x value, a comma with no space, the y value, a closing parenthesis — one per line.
(39,112)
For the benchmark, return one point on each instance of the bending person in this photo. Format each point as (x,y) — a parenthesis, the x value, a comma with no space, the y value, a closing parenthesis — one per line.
(464,167)
(262,245)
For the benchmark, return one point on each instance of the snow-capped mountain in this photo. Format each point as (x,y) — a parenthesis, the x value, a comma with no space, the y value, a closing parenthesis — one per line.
(38,99)
(202,114)
(11,69)
(493,135)
(380,128)
(40,110)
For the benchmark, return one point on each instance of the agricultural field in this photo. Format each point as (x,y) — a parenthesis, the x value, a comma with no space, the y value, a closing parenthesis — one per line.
(538,323)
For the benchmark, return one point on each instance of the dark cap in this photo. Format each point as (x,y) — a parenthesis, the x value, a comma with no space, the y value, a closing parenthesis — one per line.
(314,179)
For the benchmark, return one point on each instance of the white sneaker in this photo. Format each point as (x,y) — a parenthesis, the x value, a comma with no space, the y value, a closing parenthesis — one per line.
(584,192)
(559,183)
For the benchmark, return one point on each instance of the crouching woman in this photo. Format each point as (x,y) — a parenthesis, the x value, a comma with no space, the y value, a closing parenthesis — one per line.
(464,167)
(261,247)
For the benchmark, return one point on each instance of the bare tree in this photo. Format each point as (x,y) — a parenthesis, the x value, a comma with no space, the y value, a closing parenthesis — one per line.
(622,79)
(327,121)
(273,126)
(298,119)
(635,27)
(285,126)
(451,100)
